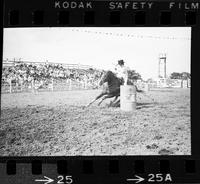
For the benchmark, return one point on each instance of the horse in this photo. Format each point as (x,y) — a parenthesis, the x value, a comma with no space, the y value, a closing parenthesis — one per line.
(112,89)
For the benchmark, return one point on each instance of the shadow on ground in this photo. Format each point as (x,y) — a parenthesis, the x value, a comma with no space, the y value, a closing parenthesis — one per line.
(139,105)
(145,105)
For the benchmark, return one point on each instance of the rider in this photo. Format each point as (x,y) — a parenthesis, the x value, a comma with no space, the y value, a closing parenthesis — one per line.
(121,72)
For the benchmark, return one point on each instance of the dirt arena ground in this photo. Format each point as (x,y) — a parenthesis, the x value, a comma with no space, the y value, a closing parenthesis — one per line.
(56,123)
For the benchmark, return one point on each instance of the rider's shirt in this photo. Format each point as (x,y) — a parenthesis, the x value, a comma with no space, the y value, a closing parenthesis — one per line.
(121,71)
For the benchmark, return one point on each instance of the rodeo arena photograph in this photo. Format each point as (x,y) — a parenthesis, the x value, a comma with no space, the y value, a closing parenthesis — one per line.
(89,91)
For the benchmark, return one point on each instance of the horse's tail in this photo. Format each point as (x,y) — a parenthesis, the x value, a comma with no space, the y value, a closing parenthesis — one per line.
(139,90)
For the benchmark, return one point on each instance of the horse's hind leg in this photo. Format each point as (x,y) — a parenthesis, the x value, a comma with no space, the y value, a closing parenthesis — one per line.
(117,103)
(112,102)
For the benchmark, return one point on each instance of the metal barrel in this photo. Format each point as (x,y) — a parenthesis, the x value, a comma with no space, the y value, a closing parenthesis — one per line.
(128,98)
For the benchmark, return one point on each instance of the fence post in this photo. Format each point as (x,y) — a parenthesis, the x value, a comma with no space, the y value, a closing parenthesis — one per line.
(10,87)
(33,86)
(52,84)
(70,84)
(146,86)
(21,85)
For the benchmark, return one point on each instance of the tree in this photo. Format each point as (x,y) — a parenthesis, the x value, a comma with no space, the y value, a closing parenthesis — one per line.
(175,75)
(183,75)
(132,75)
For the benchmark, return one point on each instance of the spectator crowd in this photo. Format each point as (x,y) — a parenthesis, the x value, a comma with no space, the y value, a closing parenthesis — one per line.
(25,73)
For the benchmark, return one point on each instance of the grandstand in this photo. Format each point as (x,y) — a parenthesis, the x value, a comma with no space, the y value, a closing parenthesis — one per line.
(19,76)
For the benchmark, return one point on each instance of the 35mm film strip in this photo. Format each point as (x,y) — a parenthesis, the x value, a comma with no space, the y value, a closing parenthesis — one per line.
(100,92)
(102,13)
(101,170)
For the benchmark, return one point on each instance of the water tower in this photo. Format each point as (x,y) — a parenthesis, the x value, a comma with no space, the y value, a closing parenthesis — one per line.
(162,66)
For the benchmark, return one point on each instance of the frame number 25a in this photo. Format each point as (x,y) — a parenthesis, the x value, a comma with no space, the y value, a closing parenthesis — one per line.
(159,177)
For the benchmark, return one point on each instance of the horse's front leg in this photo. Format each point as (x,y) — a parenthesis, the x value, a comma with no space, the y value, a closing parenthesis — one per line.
(102,100)
(107,96)
(95,99)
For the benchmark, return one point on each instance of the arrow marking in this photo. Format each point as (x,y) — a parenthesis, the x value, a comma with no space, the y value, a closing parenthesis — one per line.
(47,180)
(138,179)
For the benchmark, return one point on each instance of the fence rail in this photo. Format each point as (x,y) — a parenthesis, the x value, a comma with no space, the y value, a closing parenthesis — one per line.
(166,83)
(68,85)
(52,85)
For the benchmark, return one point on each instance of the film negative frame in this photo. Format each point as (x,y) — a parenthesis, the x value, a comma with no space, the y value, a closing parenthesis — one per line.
(109,169)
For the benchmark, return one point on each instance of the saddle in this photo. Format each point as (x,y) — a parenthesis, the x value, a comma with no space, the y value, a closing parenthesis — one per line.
(121,80)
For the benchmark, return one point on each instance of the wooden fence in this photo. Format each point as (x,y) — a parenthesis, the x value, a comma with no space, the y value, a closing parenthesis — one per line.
(51,85)
(166,83)
(67,85)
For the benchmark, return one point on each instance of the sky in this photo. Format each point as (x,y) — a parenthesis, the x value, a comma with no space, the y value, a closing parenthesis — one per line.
(102,47)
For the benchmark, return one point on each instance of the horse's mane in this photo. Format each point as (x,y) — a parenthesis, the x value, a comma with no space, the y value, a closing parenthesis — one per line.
(110,72)
(113,75)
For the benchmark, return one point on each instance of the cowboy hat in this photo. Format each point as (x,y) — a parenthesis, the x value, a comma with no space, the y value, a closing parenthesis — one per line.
(120,62)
